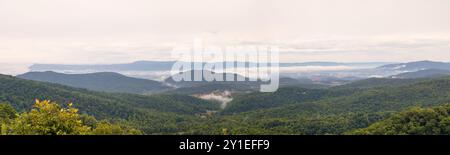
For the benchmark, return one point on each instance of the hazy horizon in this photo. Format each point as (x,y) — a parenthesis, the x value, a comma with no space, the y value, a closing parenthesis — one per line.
(123,31)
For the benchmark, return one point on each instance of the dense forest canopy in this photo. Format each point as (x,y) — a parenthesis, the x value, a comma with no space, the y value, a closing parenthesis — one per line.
(49,118)
(358,108)
(416,121)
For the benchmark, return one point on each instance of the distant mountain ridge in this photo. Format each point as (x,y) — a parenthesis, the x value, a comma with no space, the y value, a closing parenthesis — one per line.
(160,70)
(428,73)
(136,66)
(102,81)
(416,66)
(202,73)
(206,86)
(167,65)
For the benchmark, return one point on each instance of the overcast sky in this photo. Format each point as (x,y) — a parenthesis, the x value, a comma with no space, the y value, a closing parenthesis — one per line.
(117,31)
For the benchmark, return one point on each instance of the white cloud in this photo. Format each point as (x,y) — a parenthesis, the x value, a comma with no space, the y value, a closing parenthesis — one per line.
(112,31)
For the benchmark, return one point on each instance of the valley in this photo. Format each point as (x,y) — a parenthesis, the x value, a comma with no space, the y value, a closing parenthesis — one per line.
(301,106)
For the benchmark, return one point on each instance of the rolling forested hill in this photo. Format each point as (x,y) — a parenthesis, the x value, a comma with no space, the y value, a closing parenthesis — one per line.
(161,111)
(238,87)
(102,81)
(290,110)
(416,121)
(284,96)
(331,114)
(379,82)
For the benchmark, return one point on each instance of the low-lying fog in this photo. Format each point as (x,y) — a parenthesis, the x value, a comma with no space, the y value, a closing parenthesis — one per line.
(223,97)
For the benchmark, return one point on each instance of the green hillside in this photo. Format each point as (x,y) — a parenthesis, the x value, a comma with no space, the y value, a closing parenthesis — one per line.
(333,115)
(103,81)
(416,121)
(162,111)
(290,110)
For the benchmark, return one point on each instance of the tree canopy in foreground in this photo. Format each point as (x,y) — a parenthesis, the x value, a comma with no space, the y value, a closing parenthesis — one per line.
(416,121)
(49,118)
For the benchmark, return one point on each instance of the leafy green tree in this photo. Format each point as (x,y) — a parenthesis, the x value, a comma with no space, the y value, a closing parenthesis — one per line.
(105,128)
(49,118)
(7,112)
(417,121)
